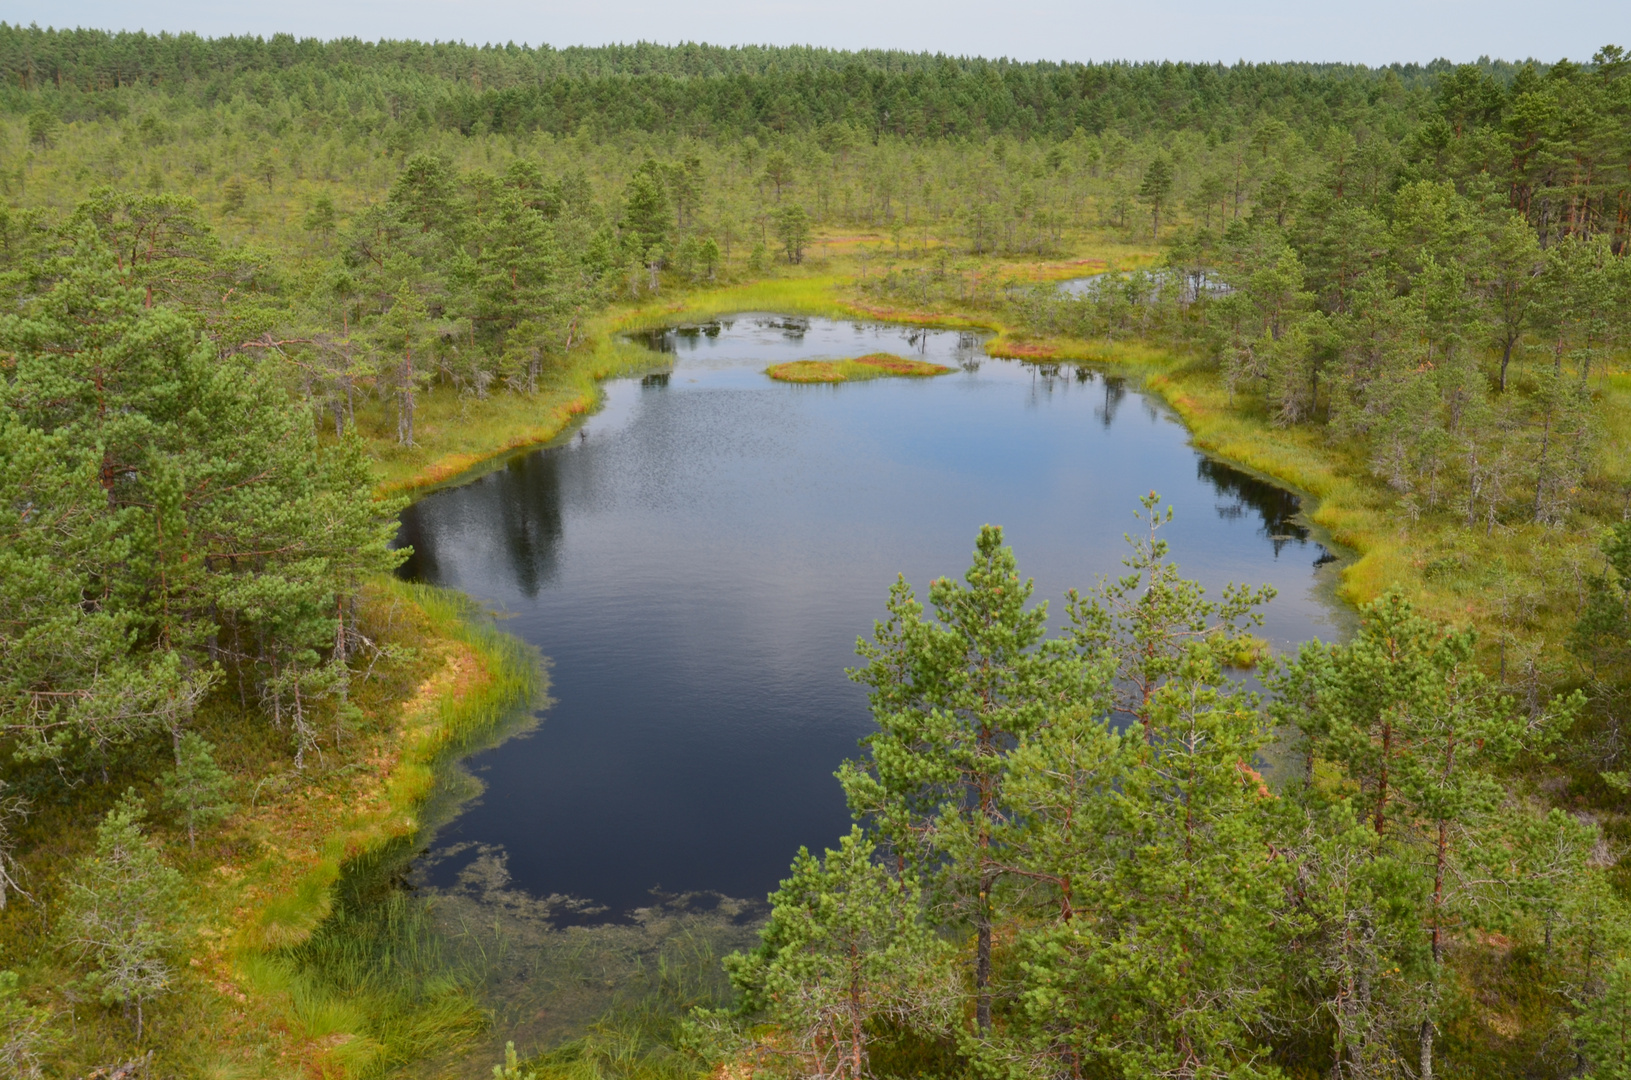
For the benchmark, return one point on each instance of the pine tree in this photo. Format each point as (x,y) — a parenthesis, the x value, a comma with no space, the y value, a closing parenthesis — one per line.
(22,1032)
(1155,190)
(846,952)
(951,697)
(196,789)
(1147,620)
(182,518)
(1603,1032)
(645,209)
(1163,840)
(120,913)
(1405,711)
(793,230)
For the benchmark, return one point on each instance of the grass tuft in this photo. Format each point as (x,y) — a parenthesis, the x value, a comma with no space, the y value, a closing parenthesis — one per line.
(860,369)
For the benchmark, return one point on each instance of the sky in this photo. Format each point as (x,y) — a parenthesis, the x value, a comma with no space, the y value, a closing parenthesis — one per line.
(1371,32)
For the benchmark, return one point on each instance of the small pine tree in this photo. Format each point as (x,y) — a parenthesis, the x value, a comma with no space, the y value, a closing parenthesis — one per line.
(42,129)
(321,217)
(847,953)
(793,230)
(1603,1031)
(233,196)
(196,789)
(22,1032)
(511,1069)
(118,913)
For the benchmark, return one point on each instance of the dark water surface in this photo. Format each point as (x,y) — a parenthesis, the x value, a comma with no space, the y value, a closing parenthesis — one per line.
(699,559)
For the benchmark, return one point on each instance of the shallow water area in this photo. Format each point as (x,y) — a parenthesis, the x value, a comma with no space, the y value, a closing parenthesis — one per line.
(698,560)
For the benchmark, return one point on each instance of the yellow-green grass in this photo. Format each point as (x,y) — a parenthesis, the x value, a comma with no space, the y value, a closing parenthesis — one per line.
(1508,581)
(456,434)
(861,368)
(268,982)
(1518,583)
(353,1012)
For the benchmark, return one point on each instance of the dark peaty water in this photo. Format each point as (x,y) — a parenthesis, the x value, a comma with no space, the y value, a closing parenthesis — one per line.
(699,560)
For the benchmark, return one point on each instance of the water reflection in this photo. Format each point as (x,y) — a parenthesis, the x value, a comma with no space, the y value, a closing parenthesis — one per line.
(699,559)
(1275,508)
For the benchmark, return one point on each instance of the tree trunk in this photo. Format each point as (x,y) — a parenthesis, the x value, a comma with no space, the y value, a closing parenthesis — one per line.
(982,960)
(404,427)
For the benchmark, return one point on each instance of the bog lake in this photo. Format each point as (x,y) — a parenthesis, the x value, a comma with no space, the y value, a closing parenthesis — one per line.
(697,560)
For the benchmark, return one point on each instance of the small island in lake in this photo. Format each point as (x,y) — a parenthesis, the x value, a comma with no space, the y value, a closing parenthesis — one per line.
(872,366)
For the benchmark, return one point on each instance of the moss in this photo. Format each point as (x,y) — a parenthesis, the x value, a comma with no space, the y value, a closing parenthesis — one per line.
(860,369)
(289,965)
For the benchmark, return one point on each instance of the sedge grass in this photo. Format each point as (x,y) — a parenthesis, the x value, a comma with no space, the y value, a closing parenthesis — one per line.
(860,369)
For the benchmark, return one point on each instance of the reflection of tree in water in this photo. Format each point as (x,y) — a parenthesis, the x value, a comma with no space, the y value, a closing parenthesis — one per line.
(529,497)
(420,565)
(669,339)
(1275,507)
(1115,392)
(528,493)
(792,329)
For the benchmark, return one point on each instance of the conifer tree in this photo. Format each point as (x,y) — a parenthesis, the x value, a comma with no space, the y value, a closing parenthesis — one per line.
(846,951)
(952,695)
(1408,715)
(1155,189)
(181,517)
(22,1032)
(120,917)
(1164,840)
(196,789)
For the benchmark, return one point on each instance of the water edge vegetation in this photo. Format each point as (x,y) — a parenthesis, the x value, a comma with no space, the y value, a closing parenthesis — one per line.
(1423,328)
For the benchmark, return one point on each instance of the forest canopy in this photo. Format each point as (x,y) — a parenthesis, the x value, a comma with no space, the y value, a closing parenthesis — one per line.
(250,286)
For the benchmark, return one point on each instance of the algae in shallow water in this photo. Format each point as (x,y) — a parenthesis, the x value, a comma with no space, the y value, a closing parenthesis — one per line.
(567,994)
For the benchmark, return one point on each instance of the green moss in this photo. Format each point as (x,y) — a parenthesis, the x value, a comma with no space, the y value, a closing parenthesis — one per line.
(860,369)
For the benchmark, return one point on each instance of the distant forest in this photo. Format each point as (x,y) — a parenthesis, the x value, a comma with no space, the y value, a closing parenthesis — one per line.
(704,90)
(247,286)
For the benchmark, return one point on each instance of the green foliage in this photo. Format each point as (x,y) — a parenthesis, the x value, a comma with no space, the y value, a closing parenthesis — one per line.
(951,696)
(793,230)
(197,788)
(511,1068)
(1136,901)
(1155,189)
(646,209)
(43,128)
(234,195)
(173,485)
(846,950)
(120,919)
(1604,1030)
(22,1032)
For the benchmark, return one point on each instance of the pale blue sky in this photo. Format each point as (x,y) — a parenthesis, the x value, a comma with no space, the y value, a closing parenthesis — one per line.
(1371,31)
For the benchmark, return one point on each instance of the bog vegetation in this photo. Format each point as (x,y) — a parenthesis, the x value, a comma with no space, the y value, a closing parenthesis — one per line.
(244,278)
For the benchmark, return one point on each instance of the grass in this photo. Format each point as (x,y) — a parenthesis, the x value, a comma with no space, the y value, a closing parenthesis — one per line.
(457,435)
(306,959)
(298,958)
(873,366)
